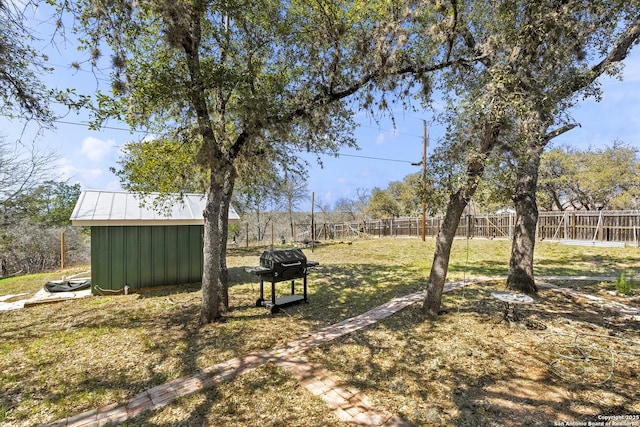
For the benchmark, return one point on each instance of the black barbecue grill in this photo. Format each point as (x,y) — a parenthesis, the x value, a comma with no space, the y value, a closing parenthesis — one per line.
(279,266)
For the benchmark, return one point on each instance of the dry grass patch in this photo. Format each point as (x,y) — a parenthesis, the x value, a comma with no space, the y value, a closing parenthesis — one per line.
(466,369)
(268,396)
(58,360)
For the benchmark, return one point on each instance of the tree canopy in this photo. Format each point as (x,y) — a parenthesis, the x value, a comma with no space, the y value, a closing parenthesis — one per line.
(535,61)
(236,87)
(245,83)
(21,91)
(603,178)
(23,95)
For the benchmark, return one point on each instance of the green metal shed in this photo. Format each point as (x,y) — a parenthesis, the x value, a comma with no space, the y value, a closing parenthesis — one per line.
(136,246)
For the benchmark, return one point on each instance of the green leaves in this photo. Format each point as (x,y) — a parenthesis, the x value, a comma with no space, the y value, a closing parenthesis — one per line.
(264,78)
(162,165)
(49,204)
(22,93)
(593,179)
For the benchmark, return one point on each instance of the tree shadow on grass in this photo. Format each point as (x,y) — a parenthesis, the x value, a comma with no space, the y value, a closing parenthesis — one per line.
(468,369)
(483,268)
(175,345)
(537,396)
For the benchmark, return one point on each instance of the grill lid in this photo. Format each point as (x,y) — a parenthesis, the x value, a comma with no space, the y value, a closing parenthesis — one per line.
(283,258)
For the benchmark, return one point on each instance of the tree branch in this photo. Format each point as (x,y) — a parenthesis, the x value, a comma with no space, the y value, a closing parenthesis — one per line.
(555,133)
(620,49)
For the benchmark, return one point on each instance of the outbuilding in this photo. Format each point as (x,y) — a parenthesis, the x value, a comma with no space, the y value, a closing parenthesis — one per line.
(135,245)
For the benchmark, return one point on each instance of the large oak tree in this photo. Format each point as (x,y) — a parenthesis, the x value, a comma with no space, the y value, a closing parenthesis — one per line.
(533,64)
(249,82)
(591,41)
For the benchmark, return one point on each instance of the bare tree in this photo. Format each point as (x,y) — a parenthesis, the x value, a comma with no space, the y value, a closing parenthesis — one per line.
(20,173)
(294,191)
(23,95)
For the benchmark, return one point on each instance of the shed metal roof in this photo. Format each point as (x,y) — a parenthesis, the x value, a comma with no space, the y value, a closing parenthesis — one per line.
(102,207)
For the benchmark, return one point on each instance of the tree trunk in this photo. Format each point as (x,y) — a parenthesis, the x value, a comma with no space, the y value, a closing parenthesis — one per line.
(212,253)
(215,276)
(228,183)
(291,224)
(432,301)
(524,237)
(457,203)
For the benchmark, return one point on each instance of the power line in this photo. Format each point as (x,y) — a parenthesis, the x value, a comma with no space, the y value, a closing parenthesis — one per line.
(101,127)
(83,124)
(375,158)
(147,132)
(129,130)
(394,131)
(80,70)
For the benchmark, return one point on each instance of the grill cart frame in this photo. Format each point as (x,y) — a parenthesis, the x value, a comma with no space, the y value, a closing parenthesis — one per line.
(280,266)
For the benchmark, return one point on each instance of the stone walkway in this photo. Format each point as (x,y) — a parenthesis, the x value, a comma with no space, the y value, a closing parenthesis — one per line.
(349,404)
(623,310)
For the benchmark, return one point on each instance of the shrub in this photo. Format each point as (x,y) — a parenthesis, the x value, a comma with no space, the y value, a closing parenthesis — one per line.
(625,284)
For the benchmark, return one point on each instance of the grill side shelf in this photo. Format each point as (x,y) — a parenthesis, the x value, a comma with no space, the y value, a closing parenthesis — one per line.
(258,271)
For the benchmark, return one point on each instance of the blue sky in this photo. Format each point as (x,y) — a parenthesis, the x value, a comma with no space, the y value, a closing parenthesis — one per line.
(85,156)
(616,117)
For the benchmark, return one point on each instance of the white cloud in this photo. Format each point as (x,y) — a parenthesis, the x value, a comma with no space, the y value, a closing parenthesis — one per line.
(387,135)
(66,170)
(328,198)
(87,178)
(96,149)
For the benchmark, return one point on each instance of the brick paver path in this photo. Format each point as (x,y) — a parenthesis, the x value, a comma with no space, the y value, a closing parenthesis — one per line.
(621,309)
(349,404)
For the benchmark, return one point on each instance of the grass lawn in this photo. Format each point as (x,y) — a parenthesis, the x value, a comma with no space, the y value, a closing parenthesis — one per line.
(465,368)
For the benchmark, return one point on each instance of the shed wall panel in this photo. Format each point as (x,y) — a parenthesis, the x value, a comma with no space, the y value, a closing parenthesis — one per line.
(182,269)
(145,256)
(171,255)
(100,256)
(118,257)
(158,256)
(132,264)
(196,237)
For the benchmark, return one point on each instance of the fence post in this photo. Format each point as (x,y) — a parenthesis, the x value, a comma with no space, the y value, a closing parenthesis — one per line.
(511,226)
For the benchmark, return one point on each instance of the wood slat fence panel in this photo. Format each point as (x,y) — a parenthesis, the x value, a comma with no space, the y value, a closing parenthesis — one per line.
(596,226)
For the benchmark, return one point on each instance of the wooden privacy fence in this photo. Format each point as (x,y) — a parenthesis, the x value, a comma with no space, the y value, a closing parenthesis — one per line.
(590,226)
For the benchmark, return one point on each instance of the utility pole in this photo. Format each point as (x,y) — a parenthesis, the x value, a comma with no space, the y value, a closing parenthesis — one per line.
(424,180)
